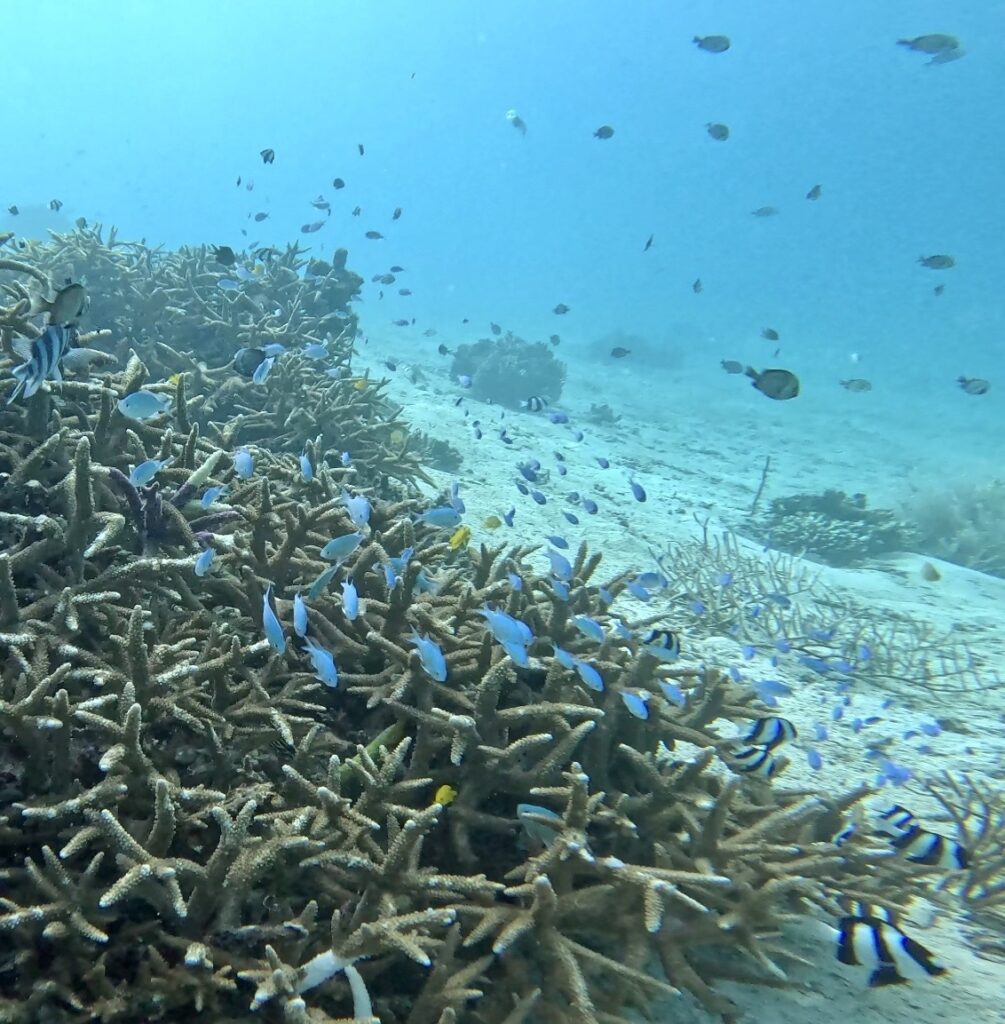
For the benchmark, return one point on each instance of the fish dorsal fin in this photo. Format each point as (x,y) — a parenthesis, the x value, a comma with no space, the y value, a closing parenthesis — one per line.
(22,346)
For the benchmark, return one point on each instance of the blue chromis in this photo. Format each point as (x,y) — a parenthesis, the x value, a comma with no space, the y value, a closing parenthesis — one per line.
(271,625)
(146,471)
(244,464)
(444,517)
(306,468)
(637,703)
(338,549)
(204,561)
(261,375)
(299,615)
(323,662)
(350,600)
(588,627)
(431,657)
(211,495)
(358,508)
(638,491)
(142,405)
(591,676)
(540,823)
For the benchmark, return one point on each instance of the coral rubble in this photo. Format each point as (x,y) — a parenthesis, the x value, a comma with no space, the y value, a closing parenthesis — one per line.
(193,822)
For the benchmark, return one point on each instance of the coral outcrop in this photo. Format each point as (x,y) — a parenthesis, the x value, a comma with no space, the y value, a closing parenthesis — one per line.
(509,370)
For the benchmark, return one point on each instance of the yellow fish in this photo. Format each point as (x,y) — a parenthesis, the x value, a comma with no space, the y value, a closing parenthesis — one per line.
(174,379)
(444,795)
(491,522)
(360,384)
(460,537)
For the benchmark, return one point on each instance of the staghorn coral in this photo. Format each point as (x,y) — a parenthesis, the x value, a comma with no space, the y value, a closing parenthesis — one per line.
(185,808)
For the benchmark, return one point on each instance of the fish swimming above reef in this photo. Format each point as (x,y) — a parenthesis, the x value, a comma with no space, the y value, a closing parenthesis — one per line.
(940,261)
(56,205)
(712,44)
(856,384)
(80,360)
(223,254)
(917,844)
(696,286)
(309,229)
(770,732)
(143,405)
(42,358)
(605,131)
(517,121)
(320,203)
(67,305)
(765,211)
(338,183)
(717,131)
(619,352)
(942,47)
(561,309)
(374,235)
(814,193)
(770,334)
(974,385)
(268,156)
(780,385)
(731,366)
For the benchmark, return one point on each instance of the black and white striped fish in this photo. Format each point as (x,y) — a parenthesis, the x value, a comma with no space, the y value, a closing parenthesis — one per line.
(770,732)
(535,403)
(917,844)
(753,761)
(662,644)
(42,358)
(890,956)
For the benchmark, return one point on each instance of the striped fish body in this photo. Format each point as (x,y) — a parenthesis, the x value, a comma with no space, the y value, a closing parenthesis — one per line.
(770,732)
(753,761)
(890,956)
(930,849)
(42,360)
(895,820)
(662,644)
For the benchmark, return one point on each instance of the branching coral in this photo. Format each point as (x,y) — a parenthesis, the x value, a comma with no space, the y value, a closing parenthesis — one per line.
(187,800)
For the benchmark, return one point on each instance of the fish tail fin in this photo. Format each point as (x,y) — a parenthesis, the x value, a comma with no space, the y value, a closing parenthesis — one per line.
(751,373)
(40,304)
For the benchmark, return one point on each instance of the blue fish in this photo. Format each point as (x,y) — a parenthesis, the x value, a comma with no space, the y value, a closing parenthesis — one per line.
(306,469)
(323,662)
(588,627)
(622,630)
(444,517)
(320,585)
(543,832)
(315,351)
(578,435)
(515,581)
(558,417)
(637,590)
(837,713)
(820,731)
(735,674)
(653,580)
(244,465)
(782,600)
(590,676)
(637,704)
(358,508)
(204,561)
(560,589)
(864,652)
(506,629)
(146,471)
(345,458)
(299,615)
(527,472)
(508,517)
(748,651)
(559,542)
(539,497)
(814,760)
(563,657)
(273,628)
(638,491)
(522,488)
(456,501)
(561,567)
(771,688)
(143,405)
(42,357)
(350,600)
(431,657)
(261,375)
(212,493)
(725,579)
(518,655)
(811,661)
(464,380)
(931,728)
(562,469)
(605,595)
(274,349)
(590,506)
(227,284)
(338,549)
(783,645)
(602,462)
(822,636)
(673,693)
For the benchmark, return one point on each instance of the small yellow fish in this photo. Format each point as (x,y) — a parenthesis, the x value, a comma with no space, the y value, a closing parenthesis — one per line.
(444,795)
(491,522)
(174,379)
(360,384)
(460,537)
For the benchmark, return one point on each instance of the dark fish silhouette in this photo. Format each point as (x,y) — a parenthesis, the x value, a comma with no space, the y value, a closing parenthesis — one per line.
(814,193)
(619,353)
(649,243)
(338,183)
(605,131)
(780,385)
(938,262)
(719,132)
(268,156)
(561,308)
(974,385)
(712,44)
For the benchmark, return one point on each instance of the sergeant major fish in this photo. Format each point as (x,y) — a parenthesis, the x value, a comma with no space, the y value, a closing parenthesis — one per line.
(42,358)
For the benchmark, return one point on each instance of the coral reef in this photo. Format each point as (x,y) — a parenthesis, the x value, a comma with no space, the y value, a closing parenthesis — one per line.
(509,370)
(961,522)
(196,819)
(831,527)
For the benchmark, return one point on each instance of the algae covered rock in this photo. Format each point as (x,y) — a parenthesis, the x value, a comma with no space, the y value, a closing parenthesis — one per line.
(509,370)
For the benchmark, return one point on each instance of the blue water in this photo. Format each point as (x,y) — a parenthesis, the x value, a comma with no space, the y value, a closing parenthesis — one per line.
(144,115)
